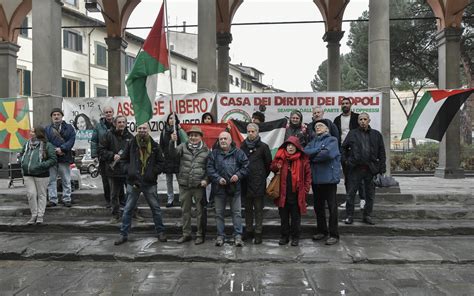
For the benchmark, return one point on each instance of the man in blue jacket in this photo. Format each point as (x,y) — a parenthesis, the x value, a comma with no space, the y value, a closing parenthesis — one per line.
(62,136)
(227,166)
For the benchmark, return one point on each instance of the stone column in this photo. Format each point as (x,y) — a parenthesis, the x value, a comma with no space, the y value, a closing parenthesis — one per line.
(207,67)
(223,41)
(47,66)
(8,76)
(334,68)
(116,65)
(379,63)
(449,58)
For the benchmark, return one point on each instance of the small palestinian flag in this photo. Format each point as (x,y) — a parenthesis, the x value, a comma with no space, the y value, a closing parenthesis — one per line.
(271,133)
(14,124)
(434,112)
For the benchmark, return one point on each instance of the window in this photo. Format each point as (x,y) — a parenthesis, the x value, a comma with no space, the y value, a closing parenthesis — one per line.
(193,76)
(23,31)
(71,2)
(73,88)
(184,73)
(100,91)
(174,70)
(237,81)
(246,85)
(24,82)
(100,55)
(72,41)
(129,61)
(231,79)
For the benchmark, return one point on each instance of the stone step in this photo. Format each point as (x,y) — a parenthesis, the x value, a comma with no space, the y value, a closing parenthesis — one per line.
(381,211)
(390,227)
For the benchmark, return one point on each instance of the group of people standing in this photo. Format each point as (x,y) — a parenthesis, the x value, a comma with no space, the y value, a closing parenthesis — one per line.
(311,156)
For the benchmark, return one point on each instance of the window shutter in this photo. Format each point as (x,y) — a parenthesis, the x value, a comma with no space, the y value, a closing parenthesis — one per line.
(64,87)
(26,83)
(82,89)
(79,43)
(65,39)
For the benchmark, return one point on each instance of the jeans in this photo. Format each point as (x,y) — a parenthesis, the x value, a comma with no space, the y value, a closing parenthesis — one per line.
(357,176)
(236,209)
(253,206)
(323,193)
(64,172)
(186,195)
(105,181)
(293,228)
(132,198)
(117,195)
(36,192)
(361,188)
(169,187)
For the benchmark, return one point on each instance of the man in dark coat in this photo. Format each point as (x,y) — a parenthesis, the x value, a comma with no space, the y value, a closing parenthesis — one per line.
(111,148)
(104,125)
(364,156)
(253,186)
(63,136)
(144,162)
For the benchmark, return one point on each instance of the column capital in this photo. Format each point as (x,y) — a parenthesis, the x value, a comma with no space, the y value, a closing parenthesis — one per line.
(449,35)
(333,36)
(116,43)
(9,48)
(224,38)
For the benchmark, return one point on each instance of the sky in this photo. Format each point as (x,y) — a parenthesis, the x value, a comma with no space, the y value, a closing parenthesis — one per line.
(288,55)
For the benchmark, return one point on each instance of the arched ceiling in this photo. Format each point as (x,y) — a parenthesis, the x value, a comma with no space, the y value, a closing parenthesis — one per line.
(116,14)
(449,12)
(12,14)
(225,11)
(332,12)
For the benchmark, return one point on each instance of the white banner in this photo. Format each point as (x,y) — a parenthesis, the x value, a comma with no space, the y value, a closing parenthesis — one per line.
(279,105)
(84,113)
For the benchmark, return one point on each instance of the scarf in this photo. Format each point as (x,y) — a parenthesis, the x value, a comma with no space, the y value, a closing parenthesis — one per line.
(34,143)
(296,165)
(144,145)
(194,147)
(169,128)
(252,144)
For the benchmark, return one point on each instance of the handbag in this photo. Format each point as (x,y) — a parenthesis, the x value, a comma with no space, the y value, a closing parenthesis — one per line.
(384,181)
(273,189)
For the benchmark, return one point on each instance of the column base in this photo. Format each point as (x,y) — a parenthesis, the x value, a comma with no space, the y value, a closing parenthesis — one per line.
(449,173)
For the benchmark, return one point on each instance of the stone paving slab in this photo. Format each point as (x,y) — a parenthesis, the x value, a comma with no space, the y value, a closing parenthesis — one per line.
(120,278)
(362,249)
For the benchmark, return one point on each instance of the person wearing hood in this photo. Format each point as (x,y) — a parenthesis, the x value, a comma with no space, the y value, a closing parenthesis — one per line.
(104,125)
(63,136)
(171,165)
(297,128)
(226,168)
(110,150)
(37,157)
(295,182)
(325,159)
(253,187)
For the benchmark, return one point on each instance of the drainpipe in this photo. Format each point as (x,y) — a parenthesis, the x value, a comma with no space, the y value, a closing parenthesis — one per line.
(89,59)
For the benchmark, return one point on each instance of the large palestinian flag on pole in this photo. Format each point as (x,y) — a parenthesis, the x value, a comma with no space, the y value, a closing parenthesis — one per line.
(434,112)
(14,124)
(143,79)
(271,133)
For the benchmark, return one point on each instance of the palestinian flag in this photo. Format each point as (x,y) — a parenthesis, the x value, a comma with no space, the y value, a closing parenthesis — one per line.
(14,124)
(143,79)
(271,133)
(434,112)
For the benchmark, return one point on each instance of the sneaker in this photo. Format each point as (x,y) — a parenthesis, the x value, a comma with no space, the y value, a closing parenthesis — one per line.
(362,204)
(51,204)
(162,237)
(199,240)
(283,241)
(219,241)
(32,220)
(115,220)
(238,241)
(138,218)
(184,239)
(319,236)
(39,220)
(368,220)
(342,206)
(332,241)
(295,242)
(349,220)
(67,204)
(121,240)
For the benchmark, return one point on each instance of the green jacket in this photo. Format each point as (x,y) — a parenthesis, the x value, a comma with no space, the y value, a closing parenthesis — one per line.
(100,130)
(192,169)
(32,165)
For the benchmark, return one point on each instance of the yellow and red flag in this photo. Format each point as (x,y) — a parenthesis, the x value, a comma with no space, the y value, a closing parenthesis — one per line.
(14,124)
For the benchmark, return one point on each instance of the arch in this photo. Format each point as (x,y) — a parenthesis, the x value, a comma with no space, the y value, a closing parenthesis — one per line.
(116,16)
(225,13)
(332,12)
(449,12)
(17,19)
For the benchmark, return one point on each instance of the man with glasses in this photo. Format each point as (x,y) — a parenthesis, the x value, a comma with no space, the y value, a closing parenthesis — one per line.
(363,153)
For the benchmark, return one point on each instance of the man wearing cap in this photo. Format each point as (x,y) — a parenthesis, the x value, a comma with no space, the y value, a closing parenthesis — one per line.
(318,114)
(192,178)
(62,135)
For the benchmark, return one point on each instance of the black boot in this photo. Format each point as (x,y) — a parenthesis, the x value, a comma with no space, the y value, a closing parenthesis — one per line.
(258,239)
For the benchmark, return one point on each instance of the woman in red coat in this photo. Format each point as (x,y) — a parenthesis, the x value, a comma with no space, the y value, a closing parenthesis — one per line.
(295,181)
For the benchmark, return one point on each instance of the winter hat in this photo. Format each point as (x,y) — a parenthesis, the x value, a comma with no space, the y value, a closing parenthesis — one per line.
(56,110)
(323,121)
(195,129)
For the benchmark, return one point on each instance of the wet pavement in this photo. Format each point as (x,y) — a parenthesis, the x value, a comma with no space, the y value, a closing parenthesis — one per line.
(121,278)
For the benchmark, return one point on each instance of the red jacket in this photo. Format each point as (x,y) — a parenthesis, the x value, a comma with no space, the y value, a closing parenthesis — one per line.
(304,180)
